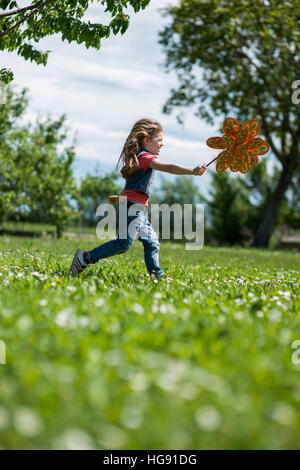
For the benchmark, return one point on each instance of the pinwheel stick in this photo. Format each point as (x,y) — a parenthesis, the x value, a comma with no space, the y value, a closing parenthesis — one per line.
(211,162)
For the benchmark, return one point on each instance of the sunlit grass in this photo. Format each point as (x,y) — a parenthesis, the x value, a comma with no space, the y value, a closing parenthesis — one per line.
(113,359)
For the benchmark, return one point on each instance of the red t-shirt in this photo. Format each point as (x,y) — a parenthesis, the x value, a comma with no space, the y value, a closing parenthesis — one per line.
(135,194)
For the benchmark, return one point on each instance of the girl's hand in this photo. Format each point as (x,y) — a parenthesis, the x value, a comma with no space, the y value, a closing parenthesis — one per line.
(114,199)
(199,170)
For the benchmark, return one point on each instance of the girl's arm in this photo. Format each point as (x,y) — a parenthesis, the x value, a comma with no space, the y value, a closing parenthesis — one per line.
(176,169)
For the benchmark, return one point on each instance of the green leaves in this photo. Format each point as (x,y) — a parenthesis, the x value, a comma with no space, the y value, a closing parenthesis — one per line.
(119,23)
(63,17)
(236,47)
(6,75)
(35,179)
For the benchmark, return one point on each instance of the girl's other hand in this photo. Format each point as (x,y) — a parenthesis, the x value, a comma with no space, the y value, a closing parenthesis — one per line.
(114,199)
(199,170)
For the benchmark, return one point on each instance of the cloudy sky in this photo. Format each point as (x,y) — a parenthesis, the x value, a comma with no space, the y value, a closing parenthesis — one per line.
(103,92)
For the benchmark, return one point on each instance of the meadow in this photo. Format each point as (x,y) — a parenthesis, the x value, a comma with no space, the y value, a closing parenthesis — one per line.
(202,359)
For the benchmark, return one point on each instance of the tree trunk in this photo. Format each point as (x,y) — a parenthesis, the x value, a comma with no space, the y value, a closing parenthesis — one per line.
(264,230)
(58,231)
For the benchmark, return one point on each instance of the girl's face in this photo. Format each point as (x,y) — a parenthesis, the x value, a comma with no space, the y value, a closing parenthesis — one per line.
(154,144)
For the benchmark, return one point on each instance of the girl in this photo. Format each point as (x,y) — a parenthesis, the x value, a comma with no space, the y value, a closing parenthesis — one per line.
(139,157)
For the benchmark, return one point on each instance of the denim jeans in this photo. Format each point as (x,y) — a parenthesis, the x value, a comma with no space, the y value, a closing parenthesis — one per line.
(141,229)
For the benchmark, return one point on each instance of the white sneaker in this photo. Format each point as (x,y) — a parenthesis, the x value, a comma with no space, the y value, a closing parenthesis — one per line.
(78,263)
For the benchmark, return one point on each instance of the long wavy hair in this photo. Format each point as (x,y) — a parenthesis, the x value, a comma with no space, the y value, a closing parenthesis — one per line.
(141,129)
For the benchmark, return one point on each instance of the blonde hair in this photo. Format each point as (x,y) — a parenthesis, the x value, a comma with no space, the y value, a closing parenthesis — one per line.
(141,129)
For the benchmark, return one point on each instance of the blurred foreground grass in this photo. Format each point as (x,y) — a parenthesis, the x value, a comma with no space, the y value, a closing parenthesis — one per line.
(115,360)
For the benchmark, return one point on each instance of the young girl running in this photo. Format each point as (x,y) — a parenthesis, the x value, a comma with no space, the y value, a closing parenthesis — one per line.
(139,158)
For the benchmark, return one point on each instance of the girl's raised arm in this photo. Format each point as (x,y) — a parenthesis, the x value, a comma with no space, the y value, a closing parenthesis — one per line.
(175,169)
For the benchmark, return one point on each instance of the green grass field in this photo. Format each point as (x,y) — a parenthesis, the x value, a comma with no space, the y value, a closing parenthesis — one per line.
(116,360)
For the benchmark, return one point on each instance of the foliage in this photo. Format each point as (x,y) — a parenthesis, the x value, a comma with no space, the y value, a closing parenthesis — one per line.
(36,181)
(115,360)
(240,58)
(228,209)
(94,190)
(22,26)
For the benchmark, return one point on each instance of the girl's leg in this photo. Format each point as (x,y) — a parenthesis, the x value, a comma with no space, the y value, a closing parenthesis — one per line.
(117,246)
(151,249)
(111,248)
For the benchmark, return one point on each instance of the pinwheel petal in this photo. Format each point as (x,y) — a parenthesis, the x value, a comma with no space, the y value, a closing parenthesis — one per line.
(229,141)
(253,127)
(250,158)
(216,143)
(245,167)
(223,160)
(243,135)
(254,143)
(231,126)
(235,163)
(262,149)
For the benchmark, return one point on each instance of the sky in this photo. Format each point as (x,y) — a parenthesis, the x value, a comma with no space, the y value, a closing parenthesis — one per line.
(103,92)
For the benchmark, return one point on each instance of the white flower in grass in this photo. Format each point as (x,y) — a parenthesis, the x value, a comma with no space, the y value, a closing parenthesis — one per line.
(259,314)
(137,308)
(66,318)
(163,308)
(283,413)
(72,288)
(27,422)
(35,273)
(99,302)
(75,439)
(274,315)
(238,315)
(131,417)
(83,321)
(208,418)
(157,295)
(286,294)
(43,302)
(139,382)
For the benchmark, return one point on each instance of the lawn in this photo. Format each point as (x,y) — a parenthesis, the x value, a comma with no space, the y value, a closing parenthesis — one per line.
(116,360)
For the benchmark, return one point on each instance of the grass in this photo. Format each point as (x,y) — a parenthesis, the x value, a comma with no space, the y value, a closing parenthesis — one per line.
(115,360)
(45,228)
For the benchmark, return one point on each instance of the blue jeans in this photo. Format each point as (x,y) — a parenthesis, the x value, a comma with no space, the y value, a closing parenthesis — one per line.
(141,229)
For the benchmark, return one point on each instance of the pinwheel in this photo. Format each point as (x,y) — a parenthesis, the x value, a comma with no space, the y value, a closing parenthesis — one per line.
(241,144)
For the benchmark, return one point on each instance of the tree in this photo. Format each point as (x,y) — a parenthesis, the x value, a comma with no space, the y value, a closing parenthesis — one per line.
(241,58)
(51,184)
(94,190)
(34,177)
(20,26)
(229,209)
(12,166)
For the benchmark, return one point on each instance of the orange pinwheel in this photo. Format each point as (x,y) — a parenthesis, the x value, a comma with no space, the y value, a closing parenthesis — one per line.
(241,144)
